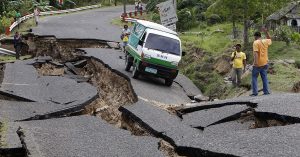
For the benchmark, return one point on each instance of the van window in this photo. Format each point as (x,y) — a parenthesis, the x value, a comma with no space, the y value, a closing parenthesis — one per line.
(139,30)
(162,43)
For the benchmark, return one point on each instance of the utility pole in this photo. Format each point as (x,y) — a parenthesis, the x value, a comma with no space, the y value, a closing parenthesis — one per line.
(175,5)
(124,2)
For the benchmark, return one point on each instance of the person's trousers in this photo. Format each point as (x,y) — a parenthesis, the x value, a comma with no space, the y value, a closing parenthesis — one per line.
(263,70)
(236,76)
(18,51)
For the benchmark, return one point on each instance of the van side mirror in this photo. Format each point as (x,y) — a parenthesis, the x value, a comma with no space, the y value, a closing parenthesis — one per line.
(183,53)
(141,42)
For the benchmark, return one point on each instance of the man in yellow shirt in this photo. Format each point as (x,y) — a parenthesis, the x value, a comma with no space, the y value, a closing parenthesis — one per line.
(260,63)
(239,63)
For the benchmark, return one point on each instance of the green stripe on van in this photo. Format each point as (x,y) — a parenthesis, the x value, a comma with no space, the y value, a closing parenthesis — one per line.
(154,61)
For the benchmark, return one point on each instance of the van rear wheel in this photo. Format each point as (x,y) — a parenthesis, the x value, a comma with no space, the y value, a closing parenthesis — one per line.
(168,82)
(135,72)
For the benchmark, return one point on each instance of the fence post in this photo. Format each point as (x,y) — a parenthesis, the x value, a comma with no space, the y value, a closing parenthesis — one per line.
(7,32)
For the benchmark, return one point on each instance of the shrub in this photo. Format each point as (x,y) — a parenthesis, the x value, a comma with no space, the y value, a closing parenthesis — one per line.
(200,16)
(186,4)
(155,18)
(295,37)
(69,4)
(186,20)
(297,64)
(213,19)
(151,5)
(283,33)
(6,22)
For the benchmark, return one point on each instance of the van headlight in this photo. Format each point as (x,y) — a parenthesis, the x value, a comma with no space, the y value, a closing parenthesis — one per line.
(174,63)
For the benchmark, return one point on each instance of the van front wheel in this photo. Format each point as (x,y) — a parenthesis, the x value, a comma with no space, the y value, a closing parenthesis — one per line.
(168,82)
(128,62)
(135,72)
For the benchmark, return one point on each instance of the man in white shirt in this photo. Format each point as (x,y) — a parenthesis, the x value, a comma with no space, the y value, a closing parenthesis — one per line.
(36,14)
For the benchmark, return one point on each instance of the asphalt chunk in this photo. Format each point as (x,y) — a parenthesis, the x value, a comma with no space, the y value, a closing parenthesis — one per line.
(9,138)
(83,136)
(188,86)
(272,141)
(208,117)
(160,123)
(21,79)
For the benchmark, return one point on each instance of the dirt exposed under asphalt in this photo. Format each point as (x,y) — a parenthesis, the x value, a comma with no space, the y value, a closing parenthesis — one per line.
(114,91)
(50,70)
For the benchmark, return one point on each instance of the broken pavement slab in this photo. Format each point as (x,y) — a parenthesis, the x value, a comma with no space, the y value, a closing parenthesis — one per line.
(188,86)
(83,136)
(272,141)
(21,79)
(287,104)
(159,122)
(18,110)
(204,118)
(9,139)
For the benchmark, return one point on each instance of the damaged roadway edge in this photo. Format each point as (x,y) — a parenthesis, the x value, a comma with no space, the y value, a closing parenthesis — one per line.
(72,110)
(180,150)
(114,89)
(116,72)
(29,145)
(187,110)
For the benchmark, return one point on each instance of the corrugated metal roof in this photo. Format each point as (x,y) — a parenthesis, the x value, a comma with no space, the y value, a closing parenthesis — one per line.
(283,12)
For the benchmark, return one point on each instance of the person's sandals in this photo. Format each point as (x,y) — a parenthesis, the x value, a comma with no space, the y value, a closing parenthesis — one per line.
(253,95)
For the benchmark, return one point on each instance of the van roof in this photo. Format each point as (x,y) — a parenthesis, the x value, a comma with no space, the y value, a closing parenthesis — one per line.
(156,26)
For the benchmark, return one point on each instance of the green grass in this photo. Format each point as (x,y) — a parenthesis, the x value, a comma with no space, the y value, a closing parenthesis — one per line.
(6,58)
(214,39)
(24,27)
(3,129)
(279,50)
(284,78)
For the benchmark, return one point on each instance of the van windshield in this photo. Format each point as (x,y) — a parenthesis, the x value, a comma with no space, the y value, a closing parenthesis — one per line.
(162,43)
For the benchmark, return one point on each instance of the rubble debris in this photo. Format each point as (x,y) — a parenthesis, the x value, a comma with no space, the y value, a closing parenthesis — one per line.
(296,87)
(50,70)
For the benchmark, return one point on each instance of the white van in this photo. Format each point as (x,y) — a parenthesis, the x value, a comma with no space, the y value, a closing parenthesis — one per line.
(154,50)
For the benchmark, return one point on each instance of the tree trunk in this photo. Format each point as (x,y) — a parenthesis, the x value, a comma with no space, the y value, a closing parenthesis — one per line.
(246,35)
(246,25)
(234,29)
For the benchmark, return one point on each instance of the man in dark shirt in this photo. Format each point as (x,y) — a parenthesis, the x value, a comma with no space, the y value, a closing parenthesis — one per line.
(17,44)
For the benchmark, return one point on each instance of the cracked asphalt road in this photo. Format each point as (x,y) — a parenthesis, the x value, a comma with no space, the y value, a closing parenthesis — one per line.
(88,136)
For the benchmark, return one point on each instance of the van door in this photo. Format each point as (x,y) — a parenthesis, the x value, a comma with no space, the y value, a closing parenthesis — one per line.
(136,33)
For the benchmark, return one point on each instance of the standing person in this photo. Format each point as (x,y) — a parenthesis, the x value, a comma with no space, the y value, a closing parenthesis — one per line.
(260,63)
(17,44)
(136,8)
(36,14)
(125,36)
(239,65)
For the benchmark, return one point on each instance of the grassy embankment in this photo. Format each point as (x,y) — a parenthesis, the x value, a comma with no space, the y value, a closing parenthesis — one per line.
(215,41)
